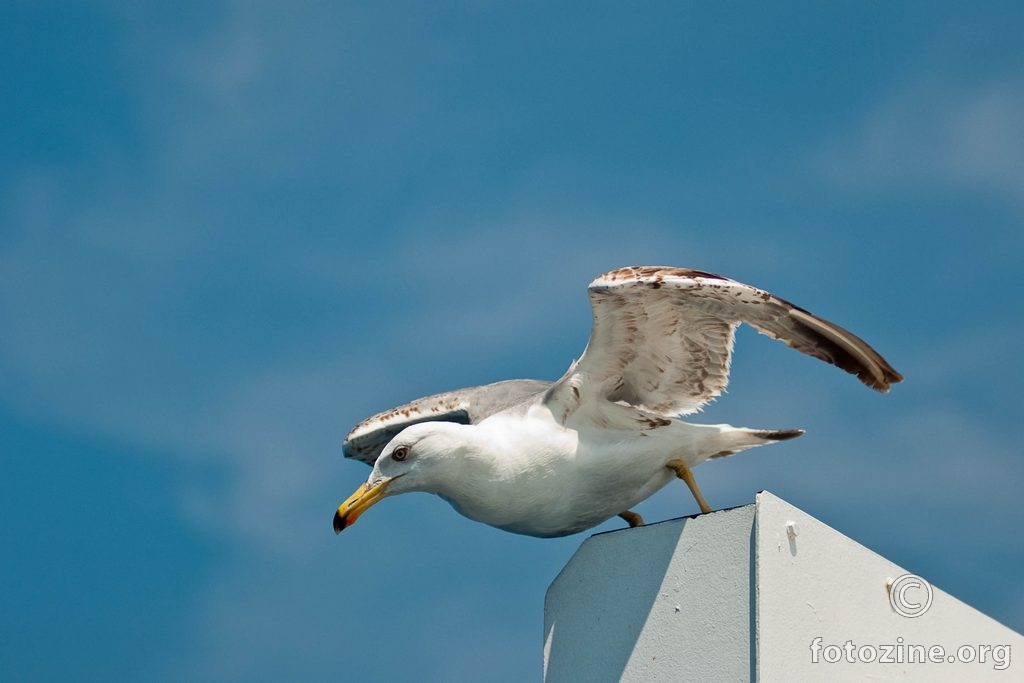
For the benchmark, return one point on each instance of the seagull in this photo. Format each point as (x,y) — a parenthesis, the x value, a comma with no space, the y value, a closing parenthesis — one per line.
(550,459)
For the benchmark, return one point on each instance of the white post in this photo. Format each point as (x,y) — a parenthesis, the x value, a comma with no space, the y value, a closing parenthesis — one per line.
(762,592)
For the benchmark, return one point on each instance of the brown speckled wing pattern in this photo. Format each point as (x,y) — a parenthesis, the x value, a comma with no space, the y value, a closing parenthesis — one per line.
(662,340)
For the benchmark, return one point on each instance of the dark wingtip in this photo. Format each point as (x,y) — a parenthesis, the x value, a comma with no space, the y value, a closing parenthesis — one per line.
(781,434)
(889,377)
(339,523)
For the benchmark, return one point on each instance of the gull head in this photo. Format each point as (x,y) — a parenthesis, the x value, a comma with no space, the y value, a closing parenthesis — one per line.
(415,460)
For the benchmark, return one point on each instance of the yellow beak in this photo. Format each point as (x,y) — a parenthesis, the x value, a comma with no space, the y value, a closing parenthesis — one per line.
(364,497)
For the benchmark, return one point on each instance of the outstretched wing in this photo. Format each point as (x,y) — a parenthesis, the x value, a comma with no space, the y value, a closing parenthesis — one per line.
(662,340)
(467,406)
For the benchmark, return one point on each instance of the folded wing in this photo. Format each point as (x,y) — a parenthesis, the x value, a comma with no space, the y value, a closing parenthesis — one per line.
(467,406)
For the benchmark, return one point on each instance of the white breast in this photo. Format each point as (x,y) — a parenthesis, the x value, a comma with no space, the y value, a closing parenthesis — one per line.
(535,477)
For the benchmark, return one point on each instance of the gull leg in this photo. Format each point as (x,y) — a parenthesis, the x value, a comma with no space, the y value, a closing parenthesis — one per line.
(632,518)
(686,474)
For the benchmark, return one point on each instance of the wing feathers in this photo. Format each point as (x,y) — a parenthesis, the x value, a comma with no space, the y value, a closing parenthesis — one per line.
(467,406)
(851,353)
(663,337)
(662,341)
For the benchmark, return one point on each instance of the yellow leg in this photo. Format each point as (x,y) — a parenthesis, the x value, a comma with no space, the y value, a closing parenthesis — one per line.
(633,518)
(686,474)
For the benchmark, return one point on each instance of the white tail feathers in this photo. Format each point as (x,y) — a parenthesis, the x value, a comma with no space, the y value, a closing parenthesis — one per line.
(732,440)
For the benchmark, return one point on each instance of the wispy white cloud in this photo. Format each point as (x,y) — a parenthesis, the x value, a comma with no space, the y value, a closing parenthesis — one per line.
(937,134)
(976,357)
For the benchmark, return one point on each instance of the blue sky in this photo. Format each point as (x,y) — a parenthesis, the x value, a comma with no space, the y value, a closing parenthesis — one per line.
(230,231)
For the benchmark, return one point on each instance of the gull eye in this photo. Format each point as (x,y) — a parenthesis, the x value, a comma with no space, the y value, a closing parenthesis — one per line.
(400,453)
